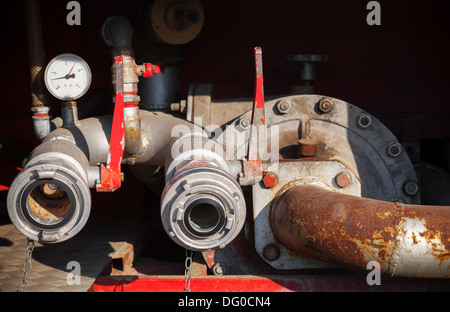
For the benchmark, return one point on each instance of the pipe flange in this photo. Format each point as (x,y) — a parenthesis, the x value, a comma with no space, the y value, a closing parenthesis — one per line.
(49,203)
(202,208)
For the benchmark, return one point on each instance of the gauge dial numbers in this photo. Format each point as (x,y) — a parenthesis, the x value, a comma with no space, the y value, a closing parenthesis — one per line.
(67,77)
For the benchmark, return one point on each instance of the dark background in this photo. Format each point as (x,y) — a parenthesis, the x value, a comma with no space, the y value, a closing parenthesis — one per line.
(397,71)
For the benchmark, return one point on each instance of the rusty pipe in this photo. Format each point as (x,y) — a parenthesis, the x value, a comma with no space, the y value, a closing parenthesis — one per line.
(349,231)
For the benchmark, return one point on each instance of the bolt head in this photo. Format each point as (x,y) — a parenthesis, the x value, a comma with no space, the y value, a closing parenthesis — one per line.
(218,269)
(284,107)
(270,180)
(343,179)
(394,149)
(411,188)
(325,106)
(364,121)
(244,123)
(271,252)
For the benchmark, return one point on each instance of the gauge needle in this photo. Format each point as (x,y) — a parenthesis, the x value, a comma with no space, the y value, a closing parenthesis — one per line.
(69,74)
(71,69)
(65,77)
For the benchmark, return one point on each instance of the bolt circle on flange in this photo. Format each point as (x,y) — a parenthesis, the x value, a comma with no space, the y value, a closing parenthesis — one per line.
(394,149)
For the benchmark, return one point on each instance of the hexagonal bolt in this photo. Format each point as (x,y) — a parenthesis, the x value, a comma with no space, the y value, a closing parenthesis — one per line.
(244,122)
(325,106)
(218,269)
(394,149)
(411,188)
(343,179)
(284,107)
(364,121)
(270,180)
(271,252)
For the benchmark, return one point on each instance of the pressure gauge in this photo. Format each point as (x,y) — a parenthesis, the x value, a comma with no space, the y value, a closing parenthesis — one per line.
(67,77)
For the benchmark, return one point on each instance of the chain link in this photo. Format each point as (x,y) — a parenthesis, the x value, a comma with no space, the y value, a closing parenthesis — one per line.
(187,270)
(26,267)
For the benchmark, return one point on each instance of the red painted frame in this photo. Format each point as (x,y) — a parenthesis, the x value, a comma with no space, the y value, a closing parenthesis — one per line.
(275,283)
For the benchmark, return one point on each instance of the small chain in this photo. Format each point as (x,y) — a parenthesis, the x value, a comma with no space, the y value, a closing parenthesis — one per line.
(26,268)
(187,270)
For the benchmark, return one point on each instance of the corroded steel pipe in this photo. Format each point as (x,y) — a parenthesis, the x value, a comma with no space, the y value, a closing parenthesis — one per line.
(349,231)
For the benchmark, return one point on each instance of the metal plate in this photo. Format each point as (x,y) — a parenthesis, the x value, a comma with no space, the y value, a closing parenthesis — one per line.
(291,173)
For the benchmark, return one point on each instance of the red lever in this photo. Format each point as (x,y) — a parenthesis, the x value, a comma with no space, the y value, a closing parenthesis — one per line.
(111,174)
(252,166)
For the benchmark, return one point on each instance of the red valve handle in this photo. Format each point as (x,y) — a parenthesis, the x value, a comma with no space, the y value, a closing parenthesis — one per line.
(111,173)
(151,69)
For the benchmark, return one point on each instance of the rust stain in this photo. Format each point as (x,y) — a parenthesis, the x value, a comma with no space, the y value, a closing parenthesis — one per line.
(331,230)
(133,133)
(48,208)
(414,238)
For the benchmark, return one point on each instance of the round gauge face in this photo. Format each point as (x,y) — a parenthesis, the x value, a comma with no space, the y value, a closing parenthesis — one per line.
(67,77)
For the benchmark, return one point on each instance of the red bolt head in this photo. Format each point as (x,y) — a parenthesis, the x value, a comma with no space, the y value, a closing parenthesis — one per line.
(325,106)
(343,179)
(270,180)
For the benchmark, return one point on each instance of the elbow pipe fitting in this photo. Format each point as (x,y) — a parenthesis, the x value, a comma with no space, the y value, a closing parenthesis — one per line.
(49,201)
(117,33)
(349,231)
(202,205)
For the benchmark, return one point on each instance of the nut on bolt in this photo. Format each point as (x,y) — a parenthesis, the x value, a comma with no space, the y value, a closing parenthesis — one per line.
(244,122)
(325,105)
(218,269)
(364,121)
(411,188)
(284,107)
(394,149)
(271,252)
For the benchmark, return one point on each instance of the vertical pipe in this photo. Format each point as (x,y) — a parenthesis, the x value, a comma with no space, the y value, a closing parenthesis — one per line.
(35,52)
(39,96)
